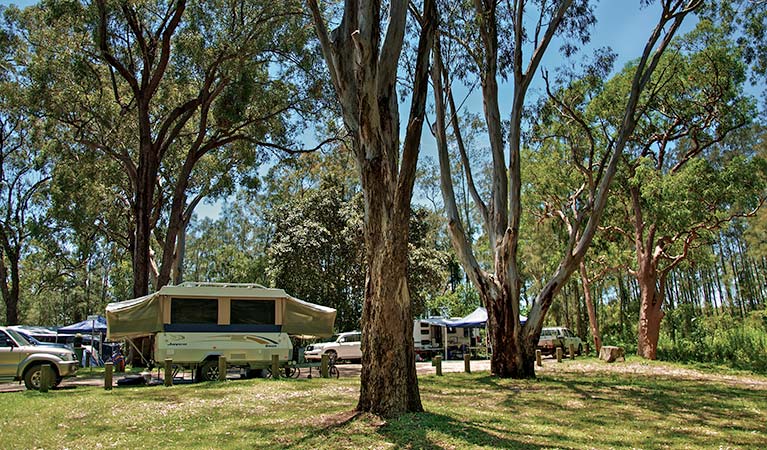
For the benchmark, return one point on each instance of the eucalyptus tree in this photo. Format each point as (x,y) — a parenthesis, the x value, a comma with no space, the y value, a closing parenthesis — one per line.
(160,86)
(493,38)
(363,61)
(24,169)
(684,174)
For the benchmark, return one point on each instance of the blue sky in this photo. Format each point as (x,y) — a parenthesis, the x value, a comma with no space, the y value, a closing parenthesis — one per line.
(621,25)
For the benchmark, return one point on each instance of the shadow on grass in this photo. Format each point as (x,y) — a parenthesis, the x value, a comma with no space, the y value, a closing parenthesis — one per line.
(663,395)
(436,431)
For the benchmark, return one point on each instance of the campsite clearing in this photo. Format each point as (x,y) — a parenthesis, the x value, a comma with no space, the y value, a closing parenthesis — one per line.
(578,404)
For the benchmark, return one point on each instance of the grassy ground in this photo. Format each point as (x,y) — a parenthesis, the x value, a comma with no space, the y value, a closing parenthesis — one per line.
(570,406)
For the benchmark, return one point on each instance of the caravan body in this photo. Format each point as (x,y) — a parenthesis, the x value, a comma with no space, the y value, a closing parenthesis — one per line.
(195,324)
(430,336)
(251,349)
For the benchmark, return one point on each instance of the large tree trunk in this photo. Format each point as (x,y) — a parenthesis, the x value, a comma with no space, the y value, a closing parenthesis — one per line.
(177,271)
(590,307)
(389,385)
(142,211)
(513,355)
(364,74)
(10,293)
(650,312)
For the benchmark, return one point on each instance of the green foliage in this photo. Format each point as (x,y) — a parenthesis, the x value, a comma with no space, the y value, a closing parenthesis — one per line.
(230,248)
(740,344)
(458,303)
(317,251)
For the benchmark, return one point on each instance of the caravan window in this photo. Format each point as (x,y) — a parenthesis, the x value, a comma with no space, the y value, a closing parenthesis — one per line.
(252,312)
(194,310)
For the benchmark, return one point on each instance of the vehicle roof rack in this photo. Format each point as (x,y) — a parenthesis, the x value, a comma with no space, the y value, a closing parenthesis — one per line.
(224,285)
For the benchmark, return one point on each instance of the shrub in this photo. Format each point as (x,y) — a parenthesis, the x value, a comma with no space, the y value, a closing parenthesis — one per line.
(740,344)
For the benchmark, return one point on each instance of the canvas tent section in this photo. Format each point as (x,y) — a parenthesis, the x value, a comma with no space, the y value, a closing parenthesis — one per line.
(134,318)
(477,319)
(218,306)
(97,325)
(307,319)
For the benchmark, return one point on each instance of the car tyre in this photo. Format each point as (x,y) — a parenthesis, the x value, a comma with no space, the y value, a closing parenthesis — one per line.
(33,376)
(580,349)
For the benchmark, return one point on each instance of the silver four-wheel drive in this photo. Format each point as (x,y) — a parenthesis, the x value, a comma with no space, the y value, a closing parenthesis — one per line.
(22,360)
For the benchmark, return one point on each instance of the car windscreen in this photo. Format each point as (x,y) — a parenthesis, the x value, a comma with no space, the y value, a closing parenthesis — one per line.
(30,339)
(18,337)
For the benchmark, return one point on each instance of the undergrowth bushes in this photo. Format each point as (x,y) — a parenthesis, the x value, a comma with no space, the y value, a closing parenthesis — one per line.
(741,344)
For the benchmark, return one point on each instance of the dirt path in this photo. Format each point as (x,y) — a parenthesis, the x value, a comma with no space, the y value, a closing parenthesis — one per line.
(550,366)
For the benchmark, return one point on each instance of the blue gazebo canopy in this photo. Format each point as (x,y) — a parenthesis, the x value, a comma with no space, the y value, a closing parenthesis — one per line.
(97,325)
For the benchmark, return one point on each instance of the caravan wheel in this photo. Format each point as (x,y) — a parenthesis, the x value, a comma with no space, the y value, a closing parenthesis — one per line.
(209,371)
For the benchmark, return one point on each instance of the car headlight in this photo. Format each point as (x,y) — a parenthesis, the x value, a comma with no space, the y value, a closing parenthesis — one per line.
(66,356)
(309,348)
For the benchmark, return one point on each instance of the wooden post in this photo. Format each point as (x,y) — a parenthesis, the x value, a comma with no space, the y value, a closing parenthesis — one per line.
(467,363)
(222,368)
(275,366)
(438,364)
(108,366)
(168,381)
(587,348)
(324,366)
(538,360)
(559,354)
(572,351)
(46,376)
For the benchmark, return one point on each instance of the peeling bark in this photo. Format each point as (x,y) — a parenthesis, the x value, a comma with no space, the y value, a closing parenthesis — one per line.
(363,71)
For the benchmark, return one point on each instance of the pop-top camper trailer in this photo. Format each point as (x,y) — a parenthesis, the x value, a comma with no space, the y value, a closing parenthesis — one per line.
(196,323)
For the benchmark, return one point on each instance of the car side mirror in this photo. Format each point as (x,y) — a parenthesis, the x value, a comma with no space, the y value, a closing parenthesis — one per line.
(7,343)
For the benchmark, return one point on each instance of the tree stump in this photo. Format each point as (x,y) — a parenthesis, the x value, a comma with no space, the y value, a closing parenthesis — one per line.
(611,353)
